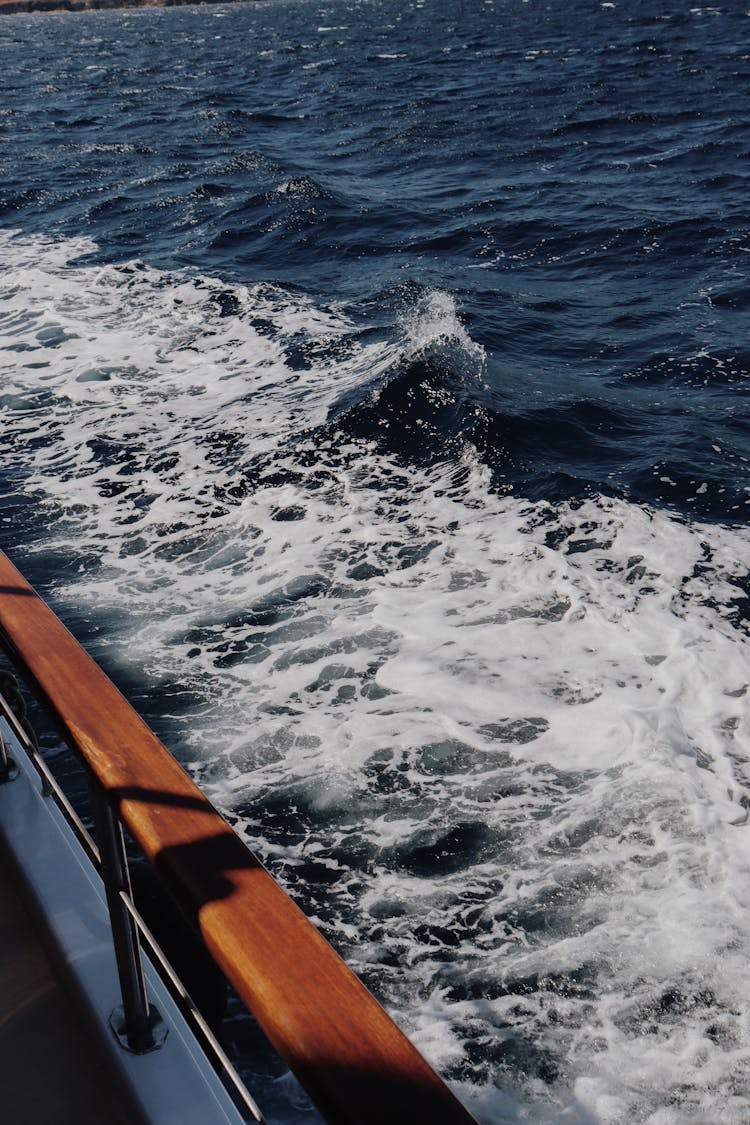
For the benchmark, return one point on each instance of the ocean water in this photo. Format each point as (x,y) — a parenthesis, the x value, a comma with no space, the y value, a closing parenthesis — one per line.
(375,385)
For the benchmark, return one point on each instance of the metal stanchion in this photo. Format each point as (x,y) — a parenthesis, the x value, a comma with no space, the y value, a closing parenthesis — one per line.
(136,1024)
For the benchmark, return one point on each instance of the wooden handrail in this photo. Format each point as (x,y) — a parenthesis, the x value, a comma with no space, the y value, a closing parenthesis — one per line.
(357,1066)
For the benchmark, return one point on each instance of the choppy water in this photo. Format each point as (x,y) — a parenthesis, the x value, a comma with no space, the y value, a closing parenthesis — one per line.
(375,406)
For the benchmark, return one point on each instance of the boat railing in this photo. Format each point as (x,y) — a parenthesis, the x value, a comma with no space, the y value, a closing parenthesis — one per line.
(355,1063)
(137,1024)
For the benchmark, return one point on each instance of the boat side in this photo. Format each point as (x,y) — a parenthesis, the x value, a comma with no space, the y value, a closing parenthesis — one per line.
(172,1083)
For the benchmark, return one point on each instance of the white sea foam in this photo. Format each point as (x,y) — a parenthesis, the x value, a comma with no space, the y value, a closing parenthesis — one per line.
(553,700)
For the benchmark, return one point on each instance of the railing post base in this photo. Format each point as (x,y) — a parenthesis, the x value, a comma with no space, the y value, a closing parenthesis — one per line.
(8,768)
(156,1026)
(8,771)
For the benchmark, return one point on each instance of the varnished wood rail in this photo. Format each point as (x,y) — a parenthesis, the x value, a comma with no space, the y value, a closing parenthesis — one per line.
(357,1066)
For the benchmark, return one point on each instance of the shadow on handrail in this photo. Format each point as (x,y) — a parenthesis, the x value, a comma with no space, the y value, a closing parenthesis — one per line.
(139,794)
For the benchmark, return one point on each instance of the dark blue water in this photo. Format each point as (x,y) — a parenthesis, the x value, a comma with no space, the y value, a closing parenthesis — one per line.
(577,179)
(376,392)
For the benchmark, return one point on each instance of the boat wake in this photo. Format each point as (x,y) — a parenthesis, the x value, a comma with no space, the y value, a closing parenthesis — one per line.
(494,744)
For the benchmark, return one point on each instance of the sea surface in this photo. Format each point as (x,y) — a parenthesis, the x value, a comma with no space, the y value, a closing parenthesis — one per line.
(375,389)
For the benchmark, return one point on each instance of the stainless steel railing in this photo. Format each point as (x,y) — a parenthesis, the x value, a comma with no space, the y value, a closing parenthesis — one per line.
(137,1024)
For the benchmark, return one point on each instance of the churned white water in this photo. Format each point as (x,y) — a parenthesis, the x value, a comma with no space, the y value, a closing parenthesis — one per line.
(509,739)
